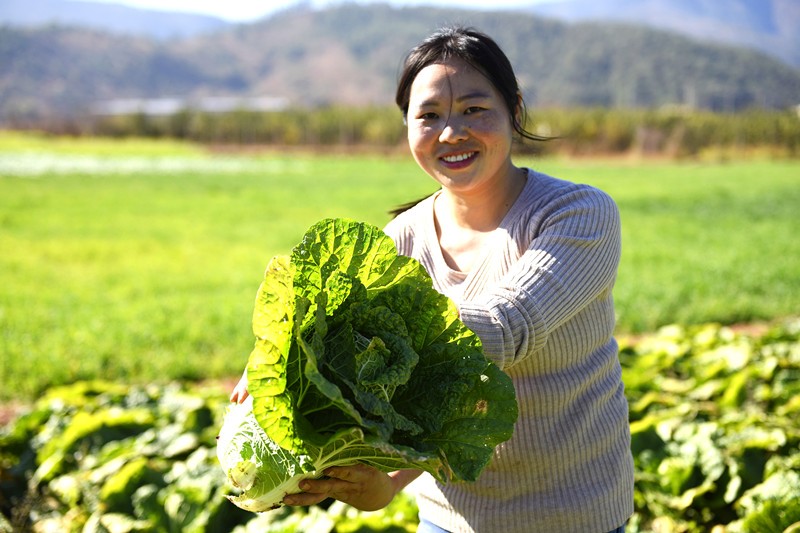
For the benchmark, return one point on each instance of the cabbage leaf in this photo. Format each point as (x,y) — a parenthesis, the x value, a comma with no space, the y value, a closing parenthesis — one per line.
(358,359)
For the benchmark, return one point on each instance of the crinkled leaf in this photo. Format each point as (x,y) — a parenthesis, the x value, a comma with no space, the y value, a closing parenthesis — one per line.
(480,423)
(268,366)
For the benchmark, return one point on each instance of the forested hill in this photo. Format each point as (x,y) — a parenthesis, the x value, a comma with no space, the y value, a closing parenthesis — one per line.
(350,54)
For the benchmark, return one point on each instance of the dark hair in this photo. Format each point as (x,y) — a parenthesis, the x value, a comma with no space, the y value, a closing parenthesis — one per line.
(478,50)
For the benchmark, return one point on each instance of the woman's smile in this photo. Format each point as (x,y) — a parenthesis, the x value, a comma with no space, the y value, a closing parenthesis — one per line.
(458,161)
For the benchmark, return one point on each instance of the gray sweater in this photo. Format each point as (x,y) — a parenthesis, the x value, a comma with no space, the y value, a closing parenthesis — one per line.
(540,299)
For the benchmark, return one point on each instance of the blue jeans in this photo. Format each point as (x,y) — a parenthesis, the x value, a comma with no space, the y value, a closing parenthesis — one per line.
(428,527)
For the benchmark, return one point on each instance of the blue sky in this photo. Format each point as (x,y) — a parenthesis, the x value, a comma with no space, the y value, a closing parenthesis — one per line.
(243,10)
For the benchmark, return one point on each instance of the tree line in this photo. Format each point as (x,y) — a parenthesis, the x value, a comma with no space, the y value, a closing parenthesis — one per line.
(674,132)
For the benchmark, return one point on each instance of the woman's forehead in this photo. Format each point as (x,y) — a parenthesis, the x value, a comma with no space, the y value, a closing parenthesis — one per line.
(452,78)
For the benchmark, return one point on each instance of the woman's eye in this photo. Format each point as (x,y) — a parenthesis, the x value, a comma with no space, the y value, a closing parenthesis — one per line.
(428,116)
(473,109)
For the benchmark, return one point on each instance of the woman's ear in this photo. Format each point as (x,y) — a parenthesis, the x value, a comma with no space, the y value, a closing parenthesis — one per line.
(519,111)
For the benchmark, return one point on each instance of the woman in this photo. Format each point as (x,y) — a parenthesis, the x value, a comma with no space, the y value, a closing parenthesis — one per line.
(530,261)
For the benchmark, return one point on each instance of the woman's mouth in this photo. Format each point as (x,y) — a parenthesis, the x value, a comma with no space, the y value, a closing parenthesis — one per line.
(458,160)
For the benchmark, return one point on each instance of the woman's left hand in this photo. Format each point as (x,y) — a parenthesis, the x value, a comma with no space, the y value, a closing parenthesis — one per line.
(240,393)
(364,487)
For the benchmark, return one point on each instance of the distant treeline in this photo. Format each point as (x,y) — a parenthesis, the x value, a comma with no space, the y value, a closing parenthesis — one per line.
(674,132)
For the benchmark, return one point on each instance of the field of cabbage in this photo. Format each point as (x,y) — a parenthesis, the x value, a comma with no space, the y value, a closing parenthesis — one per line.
(127,277)
(713,417)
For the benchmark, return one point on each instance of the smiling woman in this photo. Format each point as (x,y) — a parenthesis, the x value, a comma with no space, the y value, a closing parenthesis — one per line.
(530,261)
(459,132)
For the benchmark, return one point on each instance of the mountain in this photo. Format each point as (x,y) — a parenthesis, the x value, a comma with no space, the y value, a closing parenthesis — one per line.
(772,26)
(350,54)
(112,18)
(767,25)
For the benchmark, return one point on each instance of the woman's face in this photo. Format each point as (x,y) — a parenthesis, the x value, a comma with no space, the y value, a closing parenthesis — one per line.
(459,128)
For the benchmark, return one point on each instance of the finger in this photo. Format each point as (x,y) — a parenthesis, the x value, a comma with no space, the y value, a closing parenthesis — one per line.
(351,473)
(238,395)
(328,486)
(313,492)
(334,488)
(304,498)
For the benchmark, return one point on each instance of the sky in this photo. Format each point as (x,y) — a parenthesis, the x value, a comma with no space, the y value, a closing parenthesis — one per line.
(247,10)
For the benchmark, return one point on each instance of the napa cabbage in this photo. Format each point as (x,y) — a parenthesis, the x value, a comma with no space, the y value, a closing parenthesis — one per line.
(358,359)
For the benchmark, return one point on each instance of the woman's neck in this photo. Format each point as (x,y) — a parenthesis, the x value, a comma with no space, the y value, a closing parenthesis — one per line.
(480,211)
(465,222)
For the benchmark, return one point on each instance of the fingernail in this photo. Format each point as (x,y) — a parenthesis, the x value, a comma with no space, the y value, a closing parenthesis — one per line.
(289,500)
(304,485)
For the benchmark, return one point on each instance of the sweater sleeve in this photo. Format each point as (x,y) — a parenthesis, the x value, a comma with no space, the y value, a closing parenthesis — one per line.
(570,260)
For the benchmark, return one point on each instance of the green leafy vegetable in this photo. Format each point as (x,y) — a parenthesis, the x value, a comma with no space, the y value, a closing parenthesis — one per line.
(358,359)
(713,424)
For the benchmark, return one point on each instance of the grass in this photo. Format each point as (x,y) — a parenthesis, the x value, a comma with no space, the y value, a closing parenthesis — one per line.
(139,261)
(702,241)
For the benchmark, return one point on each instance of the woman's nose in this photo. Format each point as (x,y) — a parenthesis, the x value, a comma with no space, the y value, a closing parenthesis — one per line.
(454,130)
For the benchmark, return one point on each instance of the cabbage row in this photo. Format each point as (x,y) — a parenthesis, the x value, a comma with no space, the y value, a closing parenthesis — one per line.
(102,457)
(713,416)
(715,432)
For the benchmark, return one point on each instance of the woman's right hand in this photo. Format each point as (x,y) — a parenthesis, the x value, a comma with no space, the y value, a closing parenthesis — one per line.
(360,486)
(240,393)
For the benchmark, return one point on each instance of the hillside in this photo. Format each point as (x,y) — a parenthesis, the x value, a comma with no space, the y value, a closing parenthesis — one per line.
(767,25)
(350,55)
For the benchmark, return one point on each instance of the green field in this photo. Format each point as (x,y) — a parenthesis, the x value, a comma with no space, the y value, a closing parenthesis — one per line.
(139,260)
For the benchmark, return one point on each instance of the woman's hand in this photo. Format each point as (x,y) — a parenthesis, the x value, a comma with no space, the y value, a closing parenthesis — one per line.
(240,393)
(364,487)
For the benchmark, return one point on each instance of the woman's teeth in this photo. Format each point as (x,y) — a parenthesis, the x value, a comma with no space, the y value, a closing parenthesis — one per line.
(458,158)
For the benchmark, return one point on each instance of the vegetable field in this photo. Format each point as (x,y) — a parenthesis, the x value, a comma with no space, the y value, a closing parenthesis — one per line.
(129,266)
(714,426)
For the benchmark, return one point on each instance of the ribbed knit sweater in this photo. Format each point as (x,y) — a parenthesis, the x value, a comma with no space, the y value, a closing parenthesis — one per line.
(540,299)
